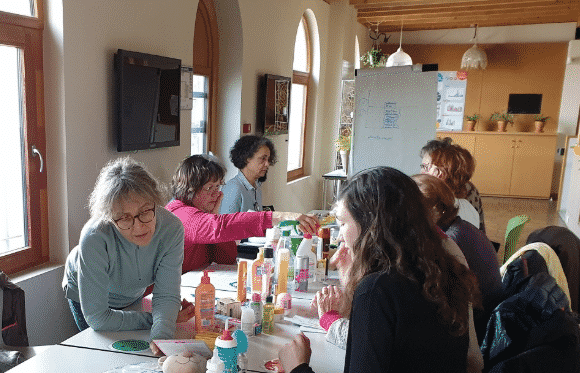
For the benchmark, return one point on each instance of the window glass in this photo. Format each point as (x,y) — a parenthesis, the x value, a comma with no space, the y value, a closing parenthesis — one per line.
(199,114)
(21,7)
(301,49)
(296,129)
(12,187)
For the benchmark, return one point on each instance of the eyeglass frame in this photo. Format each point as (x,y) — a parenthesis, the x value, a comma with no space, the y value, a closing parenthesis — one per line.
(138,216)
(213,189)
(425,167)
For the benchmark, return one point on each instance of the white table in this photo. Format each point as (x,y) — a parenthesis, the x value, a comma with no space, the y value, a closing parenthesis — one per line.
(65,359)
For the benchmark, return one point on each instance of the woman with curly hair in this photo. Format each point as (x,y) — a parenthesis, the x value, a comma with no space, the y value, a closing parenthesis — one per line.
(252,155)
(408,298)
(455,165)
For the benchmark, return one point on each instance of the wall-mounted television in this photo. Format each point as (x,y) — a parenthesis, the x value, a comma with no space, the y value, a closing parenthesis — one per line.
(524,103)
(147,98)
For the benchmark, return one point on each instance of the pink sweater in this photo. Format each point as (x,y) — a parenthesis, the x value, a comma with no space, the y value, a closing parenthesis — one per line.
(210,238)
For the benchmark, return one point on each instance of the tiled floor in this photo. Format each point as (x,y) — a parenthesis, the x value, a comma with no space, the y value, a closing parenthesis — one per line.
(498,211)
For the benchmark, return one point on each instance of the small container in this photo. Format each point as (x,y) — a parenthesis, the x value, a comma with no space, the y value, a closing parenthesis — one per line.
(301,274)
(248,321)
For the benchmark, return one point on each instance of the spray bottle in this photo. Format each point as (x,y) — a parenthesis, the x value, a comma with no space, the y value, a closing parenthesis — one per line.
(204,304)
(305,249)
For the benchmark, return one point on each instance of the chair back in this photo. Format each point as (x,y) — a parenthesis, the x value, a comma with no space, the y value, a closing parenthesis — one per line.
(512,234)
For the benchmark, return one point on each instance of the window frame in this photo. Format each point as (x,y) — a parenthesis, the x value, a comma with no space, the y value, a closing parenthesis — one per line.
(303,78)
(26,33)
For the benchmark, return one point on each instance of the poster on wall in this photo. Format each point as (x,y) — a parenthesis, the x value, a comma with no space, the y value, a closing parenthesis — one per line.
(451,88)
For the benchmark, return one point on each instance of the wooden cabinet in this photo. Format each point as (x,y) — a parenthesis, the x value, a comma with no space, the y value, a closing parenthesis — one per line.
(510,164)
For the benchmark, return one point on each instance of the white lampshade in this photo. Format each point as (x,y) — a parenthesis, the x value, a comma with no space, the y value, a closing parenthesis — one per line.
(474,58)
(399,58)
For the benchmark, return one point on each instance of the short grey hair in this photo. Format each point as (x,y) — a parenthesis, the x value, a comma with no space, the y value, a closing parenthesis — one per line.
(117,181)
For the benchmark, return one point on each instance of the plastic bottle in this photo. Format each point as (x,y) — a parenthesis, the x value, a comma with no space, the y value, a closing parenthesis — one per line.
(257,272)
(215,365)
(204,304)
(242,278)
(305,249)
(268,317)
(267,271)
(243,362)
(283,251)
(227,352)
(256,306)
(248,321)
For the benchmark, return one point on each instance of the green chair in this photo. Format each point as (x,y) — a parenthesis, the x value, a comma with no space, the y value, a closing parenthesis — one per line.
(512,234)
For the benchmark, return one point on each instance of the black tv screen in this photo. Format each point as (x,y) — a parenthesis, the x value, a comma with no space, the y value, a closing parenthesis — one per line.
(147,100)
(524,103)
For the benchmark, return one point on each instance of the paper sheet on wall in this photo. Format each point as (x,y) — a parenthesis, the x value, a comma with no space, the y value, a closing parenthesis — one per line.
(451,89)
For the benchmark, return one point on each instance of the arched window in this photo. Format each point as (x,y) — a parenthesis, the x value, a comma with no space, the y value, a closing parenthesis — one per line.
(204,82)
(299,101)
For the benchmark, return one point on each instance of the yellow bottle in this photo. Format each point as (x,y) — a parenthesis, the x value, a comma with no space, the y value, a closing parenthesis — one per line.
(204,304)
(268,317)
(282,270)
(242,277)
(256,272)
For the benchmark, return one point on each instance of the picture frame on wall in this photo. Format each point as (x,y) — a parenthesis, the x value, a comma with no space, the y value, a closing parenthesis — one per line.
(274,105)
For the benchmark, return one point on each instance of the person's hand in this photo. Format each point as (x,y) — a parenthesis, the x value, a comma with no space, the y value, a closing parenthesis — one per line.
(187,311)
(328,299)
(342,260)
(295,353)
(308,223)
(218,203)
(156,351)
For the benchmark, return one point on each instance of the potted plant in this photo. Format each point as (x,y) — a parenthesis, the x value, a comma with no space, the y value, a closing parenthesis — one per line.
(374,58)
(342,144)
(540,121)
(502,120)
(471,120)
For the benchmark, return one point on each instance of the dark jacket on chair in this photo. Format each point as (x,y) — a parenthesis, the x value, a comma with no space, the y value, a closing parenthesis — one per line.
(13,313)
(532,330)
(567,246)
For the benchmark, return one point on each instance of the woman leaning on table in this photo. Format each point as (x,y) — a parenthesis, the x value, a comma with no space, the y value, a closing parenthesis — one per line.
(129,243)
(209,237)
(409,298)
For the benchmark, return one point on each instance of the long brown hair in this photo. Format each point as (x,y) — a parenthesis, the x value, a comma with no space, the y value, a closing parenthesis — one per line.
(438,196)
(397,233)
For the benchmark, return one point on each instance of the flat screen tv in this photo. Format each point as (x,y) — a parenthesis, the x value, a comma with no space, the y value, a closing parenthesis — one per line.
(147,100)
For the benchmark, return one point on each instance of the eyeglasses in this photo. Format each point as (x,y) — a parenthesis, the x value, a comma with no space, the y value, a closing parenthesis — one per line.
(127,221)
(213,189)
(425,167)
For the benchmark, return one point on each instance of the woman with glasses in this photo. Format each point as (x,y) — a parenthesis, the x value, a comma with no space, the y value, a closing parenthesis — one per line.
(209,236)
(455,165)
(129,243)
(252,155)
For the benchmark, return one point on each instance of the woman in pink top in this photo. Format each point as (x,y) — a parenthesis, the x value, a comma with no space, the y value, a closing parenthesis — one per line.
(209,237)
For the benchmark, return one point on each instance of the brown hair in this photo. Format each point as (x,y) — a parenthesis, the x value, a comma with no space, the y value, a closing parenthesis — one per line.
(396,233)
(192,174)
(439,197)
(457,166)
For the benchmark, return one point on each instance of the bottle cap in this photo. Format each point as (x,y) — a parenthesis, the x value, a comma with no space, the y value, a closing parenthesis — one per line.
(226,340)
(215,364)
(307,235)
(256,297)
(269,299)
(286,233)
(205,278)
(268,252)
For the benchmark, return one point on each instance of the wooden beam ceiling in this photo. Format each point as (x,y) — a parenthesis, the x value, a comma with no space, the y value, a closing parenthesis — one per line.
(447,14)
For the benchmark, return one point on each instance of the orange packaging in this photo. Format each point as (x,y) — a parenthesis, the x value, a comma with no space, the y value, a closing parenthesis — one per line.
(204,304)
(257,272)
(242,278)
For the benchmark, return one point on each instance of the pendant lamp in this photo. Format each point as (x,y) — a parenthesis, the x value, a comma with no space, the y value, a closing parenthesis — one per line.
(399,58)
(474,57)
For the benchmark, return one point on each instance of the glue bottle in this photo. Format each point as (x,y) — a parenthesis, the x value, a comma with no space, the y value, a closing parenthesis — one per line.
(215,365)
(204,304)
(227,352)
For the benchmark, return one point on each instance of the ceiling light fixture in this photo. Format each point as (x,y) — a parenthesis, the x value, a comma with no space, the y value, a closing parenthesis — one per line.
(474,57)
(399,58)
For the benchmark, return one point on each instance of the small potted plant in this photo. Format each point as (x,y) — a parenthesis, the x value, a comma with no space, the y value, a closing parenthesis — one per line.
(342,144)
(502,120)
(471,120)
(540,121)
(374,58)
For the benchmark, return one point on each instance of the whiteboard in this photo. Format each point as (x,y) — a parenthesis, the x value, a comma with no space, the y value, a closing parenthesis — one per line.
(395,115)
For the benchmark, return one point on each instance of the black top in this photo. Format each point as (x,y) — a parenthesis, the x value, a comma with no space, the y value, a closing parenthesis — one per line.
(393,328)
